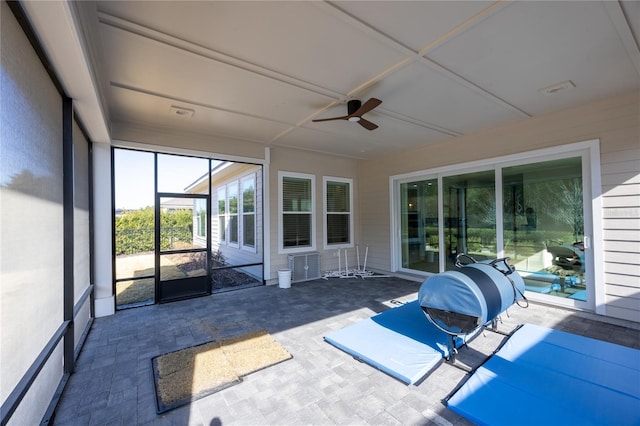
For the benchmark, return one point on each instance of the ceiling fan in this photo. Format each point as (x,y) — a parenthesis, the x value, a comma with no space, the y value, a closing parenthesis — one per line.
(356,110)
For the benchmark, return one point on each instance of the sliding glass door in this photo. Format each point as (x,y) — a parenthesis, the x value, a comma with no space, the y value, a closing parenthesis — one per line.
(469,216)
(531,211)
(419,225)
(544,225)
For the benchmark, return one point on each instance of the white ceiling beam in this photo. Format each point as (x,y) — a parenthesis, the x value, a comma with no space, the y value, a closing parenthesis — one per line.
(413,56)
(623,27)
(213,55)
(192,102)
(471,85)
(210,54)
(402,117)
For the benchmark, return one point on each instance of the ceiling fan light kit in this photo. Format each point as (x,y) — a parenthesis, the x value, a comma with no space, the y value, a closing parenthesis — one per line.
(355,111)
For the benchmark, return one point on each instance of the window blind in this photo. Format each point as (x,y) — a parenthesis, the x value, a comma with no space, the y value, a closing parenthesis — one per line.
(338,212)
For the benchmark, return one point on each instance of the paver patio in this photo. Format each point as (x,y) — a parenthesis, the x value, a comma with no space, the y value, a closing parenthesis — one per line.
(321,385)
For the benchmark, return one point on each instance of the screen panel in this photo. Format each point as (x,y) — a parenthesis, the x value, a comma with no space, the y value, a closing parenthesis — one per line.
(31,206)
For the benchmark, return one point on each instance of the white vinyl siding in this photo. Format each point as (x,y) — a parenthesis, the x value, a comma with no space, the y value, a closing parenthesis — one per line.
(249,181)
(621,232)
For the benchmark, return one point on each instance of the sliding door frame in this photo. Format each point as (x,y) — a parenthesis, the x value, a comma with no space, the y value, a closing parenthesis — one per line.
(588,151)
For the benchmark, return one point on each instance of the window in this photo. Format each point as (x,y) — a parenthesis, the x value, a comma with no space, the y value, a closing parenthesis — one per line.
(201,217)
(338,223)
(236,213)
(232,204)
(249,212)
(222,215)
(297,192)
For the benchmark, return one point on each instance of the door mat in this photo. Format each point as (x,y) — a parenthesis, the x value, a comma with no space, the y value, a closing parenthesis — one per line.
(189,374)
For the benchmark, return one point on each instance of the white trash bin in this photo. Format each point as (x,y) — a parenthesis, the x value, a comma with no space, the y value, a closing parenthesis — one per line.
(284,278)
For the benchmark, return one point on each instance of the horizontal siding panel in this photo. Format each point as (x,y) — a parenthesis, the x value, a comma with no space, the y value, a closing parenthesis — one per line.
(629,224)
(620,235)
(620,156)
(630,247)
(619,257)
(629,165)
(622,313)
(624,291)
(622,280)
(622,268)
(623,302)
(632,177)
(623,201)
(621,213)
(620,190)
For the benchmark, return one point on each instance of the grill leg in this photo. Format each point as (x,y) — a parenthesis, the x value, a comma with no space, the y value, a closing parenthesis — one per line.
(453,351)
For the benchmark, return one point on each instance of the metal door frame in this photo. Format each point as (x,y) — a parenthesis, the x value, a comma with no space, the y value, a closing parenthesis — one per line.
(188,287)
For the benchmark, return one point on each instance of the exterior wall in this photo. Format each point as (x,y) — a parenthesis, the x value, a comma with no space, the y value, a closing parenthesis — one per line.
(620,167)
(614,121)
(291,160)
(233,255)
(238,255)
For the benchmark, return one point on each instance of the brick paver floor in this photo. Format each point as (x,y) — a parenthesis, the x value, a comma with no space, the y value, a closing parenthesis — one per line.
(321,385)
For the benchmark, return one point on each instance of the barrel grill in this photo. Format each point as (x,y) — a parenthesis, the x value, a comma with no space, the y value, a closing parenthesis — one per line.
(460,301)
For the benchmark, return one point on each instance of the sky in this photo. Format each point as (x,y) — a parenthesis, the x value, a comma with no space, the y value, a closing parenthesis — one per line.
(134,176)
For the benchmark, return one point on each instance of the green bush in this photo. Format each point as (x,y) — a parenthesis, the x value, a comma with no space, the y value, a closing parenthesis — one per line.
(135,230)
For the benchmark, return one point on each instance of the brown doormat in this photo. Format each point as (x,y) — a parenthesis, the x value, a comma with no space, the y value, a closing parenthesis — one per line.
(193,373)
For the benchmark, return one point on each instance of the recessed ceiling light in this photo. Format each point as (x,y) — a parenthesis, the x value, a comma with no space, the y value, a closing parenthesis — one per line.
(558,87)
(181,111)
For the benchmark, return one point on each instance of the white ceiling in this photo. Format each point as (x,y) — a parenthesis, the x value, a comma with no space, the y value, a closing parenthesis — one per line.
(261,71)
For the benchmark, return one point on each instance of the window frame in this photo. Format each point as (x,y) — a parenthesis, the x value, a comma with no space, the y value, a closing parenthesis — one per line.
(221,193)
(312,232)
(252,178)
(201,222)
(325,228)
(230,187)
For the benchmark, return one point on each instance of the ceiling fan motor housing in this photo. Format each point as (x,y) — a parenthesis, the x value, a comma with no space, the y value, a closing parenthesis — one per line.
(353,105)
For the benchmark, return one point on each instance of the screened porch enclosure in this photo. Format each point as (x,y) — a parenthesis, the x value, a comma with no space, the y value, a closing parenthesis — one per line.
(184,227)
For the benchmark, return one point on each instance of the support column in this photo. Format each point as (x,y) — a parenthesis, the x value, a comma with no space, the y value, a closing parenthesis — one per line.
(102,211)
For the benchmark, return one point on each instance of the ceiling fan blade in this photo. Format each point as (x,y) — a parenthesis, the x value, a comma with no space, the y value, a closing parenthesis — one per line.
(367,124)
(344,117)
(367,106)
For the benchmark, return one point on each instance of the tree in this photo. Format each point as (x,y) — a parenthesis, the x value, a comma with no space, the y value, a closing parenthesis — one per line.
(569,209)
